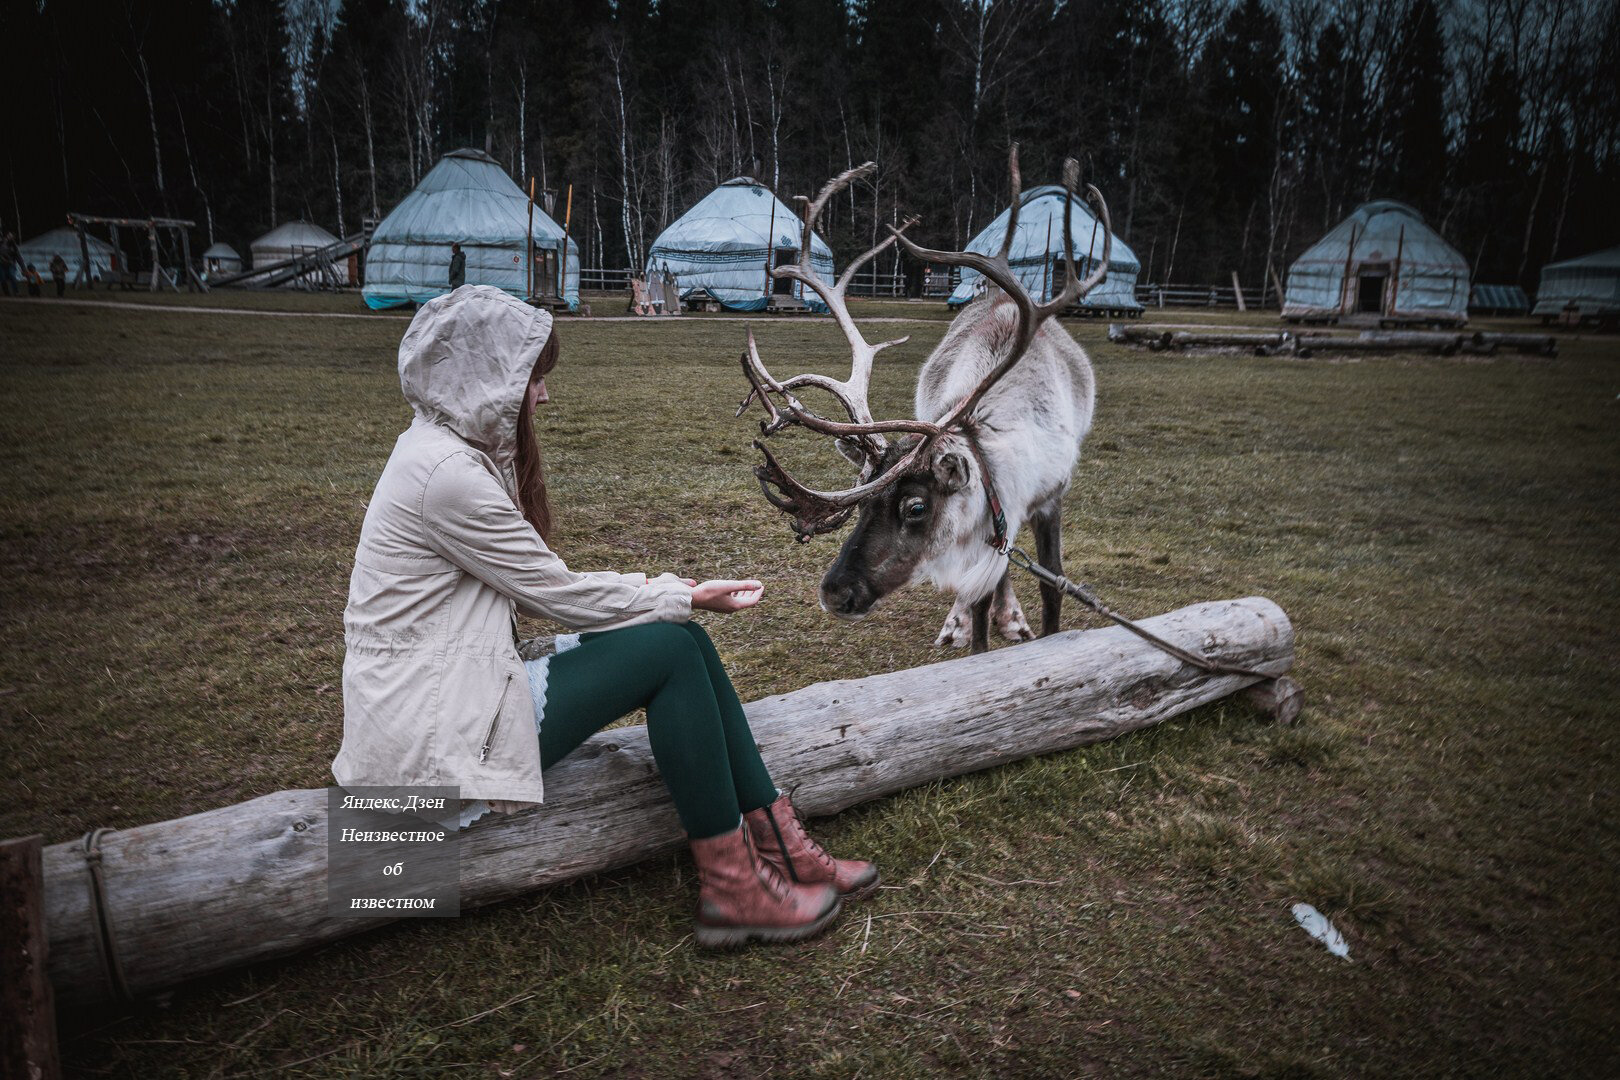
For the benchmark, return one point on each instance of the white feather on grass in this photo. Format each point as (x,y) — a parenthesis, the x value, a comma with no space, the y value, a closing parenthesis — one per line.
(1317,925)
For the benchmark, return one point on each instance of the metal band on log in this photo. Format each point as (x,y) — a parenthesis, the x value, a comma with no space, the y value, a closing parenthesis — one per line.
(247,882)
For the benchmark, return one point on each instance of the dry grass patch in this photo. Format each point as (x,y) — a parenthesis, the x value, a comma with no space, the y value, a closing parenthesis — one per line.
(184,492)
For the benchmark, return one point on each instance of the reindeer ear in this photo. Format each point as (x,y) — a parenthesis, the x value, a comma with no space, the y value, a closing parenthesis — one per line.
(951,470)
(851,450)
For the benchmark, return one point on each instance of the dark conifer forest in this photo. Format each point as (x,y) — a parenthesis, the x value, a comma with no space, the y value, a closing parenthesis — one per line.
(1226,134)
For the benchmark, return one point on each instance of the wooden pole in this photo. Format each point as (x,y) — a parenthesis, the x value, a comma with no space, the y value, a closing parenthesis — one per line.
(247,882)
(1237,291)
(1046,264)
(770,247)
(1395,275)
(27,1006)
(151,236)
(528,246)
(807,241)
(84,253)
(1345,290)
(562,262)
(192,284)
(1276,284)
(1091,254)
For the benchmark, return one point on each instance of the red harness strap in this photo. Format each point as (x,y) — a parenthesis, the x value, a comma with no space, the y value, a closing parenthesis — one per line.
(998,516)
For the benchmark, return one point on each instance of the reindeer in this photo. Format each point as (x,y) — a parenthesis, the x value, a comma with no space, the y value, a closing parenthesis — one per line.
(1003,404)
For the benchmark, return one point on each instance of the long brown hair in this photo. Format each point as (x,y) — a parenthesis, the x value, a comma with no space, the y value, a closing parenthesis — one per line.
(531,478)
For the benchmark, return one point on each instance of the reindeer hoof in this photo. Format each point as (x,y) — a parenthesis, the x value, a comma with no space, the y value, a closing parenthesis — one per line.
(1018,630)
(1015,628)
(955,634)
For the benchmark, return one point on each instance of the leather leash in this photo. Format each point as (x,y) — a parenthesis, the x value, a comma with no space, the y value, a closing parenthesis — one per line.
(1020,558)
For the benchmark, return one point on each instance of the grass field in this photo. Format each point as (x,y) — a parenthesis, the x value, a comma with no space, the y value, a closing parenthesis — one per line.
(183,494)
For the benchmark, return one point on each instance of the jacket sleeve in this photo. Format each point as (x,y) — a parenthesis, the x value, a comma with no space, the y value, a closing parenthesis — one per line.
(469,519)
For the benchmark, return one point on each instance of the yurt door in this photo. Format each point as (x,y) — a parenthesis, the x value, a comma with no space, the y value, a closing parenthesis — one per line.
(1370,288)
(784,257)
(545,271)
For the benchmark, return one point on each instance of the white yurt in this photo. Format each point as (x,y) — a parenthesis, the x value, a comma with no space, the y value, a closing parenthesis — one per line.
(298,238)
(1590,285)
(1036,255)
(221,258)
(1382,260)
(64,241)
(723,244)
(467,199)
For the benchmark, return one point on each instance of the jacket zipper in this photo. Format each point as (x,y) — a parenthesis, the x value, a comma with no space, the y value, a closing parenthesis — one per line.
(494,721)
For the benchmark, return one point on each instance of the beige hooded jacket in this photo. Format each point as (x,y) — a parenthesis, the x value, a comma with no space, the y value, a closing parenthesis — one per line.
(433,690)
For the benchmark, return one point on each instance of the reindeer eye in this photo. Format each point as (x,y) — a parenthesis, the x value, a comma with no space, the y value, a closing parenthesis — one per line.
(914,509)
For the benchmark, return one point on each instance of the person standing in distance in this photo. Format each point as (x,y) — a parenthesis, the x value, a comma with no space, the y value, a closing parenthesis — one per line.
(458,267)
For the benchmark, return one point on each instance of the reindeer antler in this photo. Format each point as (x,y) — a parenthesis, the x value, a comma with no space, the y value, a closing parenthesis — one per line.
(851,392)
(816,511)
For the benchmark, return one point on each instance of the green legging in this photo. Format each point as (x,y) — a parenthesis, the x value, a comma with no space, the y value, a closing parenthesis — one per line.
(699,735)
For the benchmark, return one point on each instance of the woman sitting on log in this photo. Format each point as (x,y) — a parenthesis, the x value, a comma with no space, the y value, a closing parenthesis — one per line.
(434,693)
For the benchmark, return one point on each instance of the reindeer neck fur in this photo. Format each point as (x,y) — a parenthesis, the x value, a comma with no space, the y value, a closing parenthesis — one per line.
(1029,428)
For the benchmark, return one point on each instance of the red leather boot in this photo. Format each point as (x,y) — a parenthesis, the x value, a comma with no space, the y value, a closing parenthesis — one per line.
(782,842)
(742,898)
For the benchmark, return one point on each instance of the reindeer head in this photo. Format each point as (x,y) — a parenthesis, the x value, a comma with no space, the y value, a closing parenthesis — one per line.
(907,493)
(908,528)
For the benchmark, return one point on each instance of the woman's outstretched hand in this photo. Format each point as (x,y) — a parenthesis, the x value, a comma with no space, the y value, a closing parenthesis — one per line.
(726,595)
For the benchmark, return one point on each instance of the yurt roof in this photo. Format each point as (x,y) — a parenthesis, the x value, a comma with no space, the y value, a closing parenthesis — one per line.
(1040,231)
(739,215)
(295,234)
(65,237)
(1039,240)
(221,250)
(1591,282)
(466,198)
(1597,260)
(1382,230)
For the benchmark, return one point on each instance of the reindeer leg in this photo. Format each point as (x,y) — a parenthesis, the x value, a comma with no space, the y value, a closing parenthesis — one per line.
(955,633)
(1007,614)
(981,624)
(1048,523)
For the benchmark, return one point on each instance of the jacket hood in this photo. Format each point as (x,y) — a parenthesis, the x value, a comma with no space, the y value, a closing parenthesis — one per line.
(465,363)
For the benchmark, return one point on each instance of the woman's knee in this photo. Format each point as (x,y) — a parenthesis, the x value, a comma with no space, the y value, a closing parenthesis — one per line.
(658,647)
(696,632)
(667,645)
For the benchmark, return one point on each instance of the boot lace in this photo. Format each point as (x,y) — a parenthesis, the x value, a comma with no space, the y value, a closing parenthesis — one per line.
(768,873)
(809,845)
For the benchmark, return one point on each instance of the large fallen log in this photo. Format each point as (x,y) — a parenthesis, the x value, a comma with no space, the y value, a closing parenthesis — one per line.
(1186,339)
(1159,338)
(1141,334)
(205,893)
(1535,344)
(1382,342)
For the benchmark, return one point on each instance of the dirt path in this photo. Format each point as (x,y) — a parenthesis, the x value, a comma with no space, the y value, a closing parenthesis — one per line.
(192,308)
(650,319)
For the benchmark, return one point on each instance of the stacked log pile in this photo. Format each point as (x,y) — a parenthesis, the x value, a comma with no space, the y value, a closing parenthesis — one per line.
(1308,343)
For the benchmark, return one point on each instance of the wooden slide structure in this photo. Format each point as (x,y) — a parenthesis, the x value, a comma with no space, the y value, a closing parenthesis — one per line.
(317,264)
(175,900)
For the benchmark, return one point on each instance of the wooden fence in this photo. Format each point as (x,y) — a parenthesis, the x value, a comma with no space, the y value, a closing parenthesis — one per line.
(1209,296)
(872,283)
(604,279)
